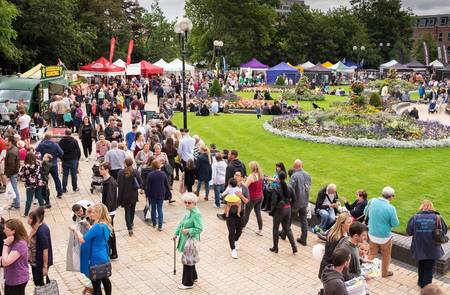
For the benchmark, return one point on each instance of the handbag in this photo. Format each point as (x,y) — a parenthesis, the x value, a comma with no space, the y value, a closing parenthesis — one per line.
(190,253)
(50,288)
(439,235)
(100,271)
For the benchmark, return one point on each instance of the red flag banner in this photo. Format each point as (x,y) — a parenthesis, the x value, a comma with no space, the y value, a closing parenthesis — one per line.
(111,49)
(130,50)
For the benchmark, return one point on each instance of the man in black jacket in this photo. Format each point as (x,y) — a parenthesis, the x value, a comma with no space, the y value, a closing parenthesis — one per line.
(326,206)
(234,164)
(70,158)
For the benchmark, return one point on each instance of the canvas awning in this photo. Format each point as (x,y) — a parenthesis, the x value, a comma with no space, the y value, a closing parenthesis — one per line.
(34,72)
(436,64)
(327,64)
(342,68)
(120,63)
(318,69)
(254,64)
(282,69)
(178,65)
(399,68)
(103,67)
(307,65)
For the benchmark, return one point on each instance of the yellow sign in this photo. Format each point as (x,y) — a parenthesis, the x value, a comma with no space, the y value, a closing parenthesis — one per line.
(51,71)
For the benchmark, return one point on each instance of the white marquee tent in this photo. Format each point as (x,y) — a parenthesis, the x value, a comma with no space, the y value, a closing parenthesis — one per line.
(178,65)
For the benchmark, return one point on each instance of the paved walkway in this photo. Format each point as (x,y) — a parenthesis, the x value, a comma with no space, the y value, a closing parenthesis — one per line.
(145,264)
(440,116)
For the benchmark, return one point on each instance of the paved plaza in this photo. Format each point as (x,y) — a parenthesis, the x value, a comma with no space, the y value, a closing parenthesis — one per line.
(145,264)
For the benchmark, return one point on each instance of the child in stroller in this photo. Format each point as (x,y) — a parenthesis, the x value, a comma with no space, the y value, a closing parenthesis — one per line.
(96,180)
(432,108)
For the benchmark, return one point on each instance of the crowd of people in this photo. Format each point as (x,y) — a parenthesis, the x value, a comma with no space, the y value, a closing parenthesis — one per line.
(147,160)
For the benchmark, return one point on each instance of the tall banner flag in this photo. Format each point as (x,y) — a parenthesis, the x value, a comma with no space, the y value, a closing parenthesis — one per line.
(445,53)
(130,50)
(111,49)
(439,53)
(425,51)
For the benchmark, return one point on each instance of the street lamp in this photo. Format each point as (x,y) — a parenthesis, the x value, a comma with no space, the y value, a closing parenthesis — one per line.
(182,28)
(382,48)
(217,50)
(359,51)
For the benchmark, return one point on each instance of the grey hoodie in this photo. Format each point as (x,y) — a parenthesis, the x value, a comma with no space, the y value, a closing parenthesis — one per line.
(333,281)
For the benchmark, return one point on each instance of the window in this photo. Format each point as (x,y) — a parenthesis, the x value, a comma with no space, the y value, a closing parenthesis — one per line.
(431,21)
(444,21)
(423,22)
(440,37)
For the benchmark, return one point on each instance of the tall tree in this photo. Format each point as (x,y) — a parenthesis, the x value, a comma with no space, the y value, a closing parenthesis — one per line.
(246,28)
(386,22)
(8,13)
(418,51)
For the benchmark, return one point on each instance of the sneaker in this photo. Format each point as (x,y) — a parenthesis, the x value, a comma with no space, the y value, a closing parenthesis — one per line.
(234,253)
(115,257)
(87,159)
(217,207)
(76,190)
(236,245)
(59,196)
(183,287)
(130,232)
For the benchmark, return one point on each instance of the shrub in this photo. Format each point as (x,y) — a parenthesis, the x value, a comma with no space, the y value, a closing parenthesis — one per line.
(375,100)
(302,85)
(308,95)
(358,100)
(215,90)
(280,81)
(357,87)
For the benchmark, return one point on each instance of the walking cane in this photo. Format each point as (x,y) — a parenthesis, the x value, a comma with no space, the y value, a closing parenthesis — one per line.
(174,257)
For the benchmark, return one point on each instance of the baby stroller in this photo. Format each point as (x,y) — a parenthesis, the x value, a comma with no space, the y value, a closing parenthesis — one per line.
(432,108)
(97,179)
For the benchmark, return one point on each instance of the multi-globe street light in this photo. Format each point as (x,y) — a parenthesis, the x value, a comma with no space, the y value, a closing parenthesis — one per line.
(217,49)
(182,28)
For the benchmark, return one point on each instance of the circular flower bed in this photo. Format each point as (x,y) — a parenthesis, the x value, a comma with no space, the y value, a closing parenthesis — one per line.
(361,127)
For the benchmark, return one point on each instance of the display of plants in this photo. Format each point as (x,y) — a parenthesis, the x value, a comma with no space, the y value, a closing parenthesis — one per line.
(248,104)
(356,123)
(302,92)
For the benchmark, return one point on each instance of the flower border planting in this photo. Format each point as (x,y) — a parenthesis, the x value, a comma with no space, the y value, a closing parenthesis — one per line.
(361,142)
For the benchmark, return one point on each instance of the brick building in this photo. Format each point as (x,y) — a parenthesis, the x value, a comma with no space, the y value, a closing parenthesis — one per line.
(438,26)
(285,5)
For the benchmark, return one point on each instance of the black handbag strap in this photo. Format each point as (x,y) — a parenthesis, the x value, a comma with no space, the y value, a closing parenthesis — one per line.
(438,222)
(104,237)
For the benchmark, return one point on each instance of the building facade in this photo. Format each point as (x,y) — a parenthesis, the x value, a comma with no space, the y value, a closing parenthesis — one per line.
(285,5)
(438,26)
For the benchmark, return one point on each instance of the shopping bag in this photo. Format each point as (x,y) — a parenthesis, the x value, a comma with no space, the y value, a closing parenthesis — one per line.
(190,253)
(73,254)
(10,193)
(51,288)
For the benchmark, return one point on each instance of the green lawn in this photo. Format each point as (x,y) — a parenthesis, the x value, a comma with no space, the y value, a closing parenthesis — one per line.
(413,173)
(306,105)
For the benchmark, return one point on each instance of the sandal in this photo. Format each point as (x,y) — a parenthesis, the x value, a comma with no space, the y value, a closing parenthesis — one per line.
(389,274)
(87,291)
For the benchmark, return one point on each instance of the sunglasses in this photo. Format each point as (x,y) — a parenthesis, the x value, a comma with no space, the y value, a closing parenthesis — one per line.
(188,203)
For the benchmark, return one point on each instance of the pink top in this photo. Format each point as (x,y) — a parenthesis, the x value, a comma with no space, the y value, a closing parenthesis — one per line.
(255,190)
(22,154)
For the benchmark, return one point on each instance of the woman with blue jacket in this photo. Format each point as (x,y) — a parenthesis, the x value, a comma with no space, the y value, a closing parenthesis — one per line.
(94,245)
(190,226)
(423,247)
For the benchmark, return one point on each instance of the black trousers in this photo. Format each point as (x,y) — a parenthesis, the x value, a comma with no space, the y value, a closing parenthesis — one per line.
(301,213)
(97,286)
(38,276)
(112,240)
(46,194)
(15,290)
(282,216)
(425,270)
(87,147)
(248,210)
(235,224)
(129,215)
(189,275)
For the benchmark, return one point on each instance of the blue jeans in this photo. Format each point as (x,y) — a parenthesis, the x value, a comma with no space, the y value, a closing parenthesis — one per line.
(16,202)
(55,176)
(218,189)
(199,186)
(71,166)
(53,119)
(327,218)
(157,204)
(33,192)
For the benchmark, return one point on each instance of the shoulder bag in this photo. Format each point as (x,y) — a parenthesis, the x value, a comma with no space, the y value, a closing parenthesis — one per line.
(50,288)
(439,236)
(100,271)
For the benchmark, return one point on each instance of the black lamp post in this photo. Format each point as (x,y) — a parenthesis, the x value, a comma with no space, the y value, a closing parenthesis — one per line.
(360,52)
(182,28)
(218,51)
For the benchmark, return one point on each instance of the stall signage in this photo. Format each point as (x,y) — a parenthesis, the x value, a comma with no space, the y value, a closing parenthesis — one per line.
(51,71)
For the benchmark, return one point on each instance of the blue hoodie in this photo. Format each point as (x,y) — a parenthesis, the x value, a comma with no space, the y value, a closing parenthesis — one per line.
(50,147)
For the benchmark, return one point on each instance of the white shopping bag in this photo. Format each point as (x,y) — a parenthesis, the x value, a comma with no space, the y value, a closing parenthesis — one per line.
(10,193)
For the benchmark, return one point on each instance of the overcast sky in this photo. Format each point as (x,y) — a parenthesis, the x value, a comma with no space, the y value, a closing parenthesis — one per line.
(174,8)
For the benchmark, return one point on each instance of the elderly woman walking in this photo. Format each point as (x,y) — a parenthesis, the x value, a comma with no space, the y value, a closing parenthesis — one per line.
(424,247)
(190,227)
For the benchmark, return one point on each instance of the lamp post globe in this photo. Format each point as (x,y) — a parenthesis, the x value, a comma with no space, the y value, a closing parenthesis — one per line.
(355,48)
(363,48)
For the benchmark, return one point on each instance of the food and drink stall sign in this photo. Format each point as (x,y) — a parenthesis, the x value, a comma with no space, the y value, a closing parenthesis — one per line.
(51,71)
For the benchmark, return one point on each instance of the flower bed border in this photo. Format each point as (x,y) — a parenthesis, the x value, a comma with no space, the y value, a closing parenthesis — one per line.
(362,142)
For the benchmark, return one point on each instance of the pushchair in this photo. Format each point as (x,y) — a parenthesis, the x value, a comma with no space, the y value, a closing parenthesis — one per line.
(432,108)
(97,179)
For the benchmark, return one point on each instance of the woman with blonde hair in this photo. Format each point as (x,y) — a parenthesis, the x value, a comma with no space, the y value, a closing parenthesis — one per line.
(94,248)
(255,183)
(15,257)
(338,231)
(424,247)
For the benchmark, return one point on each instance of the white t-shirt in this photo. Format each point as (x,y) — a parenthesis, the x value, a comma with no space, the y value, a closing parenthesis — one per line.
(24,121)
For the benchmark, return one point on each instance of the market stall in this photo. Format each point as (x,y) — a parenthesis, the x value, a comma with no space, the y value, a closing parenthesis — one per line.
(416,66)
(285,70)
(307,65)
(318,73)
(102,67)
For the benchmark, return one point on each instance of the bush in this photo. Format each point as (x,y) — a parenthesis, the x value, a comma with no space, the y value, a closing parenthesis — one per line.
(280,81)
(307,95)
(358,100)
(215,90)
(357,87)
(375,100)
(302,85)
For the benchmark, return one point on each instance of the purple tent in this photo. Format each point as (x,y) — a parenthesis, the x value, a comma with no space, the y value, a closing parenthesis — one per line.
(254,64)
(282,69)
